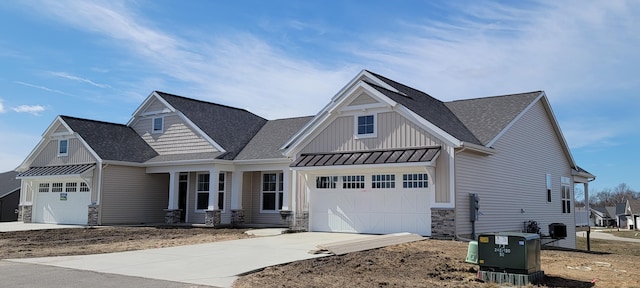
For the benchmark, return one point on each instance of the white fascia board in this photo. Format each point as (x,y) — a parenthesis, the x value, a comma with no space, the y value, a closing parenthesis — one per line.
(188,162)
(262,161)
(429,127)
(478,148)
(263,167)
(200,132)
(191,168)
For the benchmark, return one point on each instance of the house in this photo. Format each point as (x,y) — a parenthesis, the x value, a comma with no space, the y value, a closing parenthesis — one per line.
(603,216)
(628,214)
(380,157)
(9,195)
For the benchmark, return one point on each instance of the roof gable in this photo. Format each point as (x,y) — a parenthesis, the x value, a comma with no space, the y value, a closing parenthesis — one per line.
(487,117)
(232,128)
(427,107)
(111,141)
(8,183)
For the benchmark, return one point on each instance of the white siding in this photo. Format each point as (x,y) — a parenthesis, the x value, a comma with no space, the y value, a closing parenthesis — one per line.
(77,154)
(130,195)
(394,131)
(513,180)
(177,137)
(363,99)
(154,106)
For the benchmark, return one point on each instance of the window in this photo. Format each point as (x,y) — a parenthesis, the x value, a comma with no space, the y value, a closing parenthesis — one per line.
(383,181)
(202,192)
(548,178)
(158,125)
(353,182)
(326,182)
(71,187)
(272,191)
(56,187)
(84,187)
(566,194)
(63,147)
(221,191)
(43,187)
(415,181)
(366,126)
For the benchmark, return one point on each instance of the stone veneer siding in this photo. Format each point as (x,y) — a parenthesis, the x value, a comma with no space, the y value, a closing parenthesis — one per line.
(443,223)
(212,218)
(237,217)
(172,216)
(301,222)
(25,213)
(93,215)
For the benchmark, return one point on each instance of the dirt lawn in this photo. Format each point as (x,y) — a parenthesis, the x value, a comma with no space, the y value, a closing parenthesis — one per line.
(428,263)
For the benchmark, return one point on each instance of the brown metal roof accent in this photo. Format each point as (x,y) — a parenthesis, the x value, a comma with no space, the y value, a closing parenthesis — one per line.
(56,170)
(419,154)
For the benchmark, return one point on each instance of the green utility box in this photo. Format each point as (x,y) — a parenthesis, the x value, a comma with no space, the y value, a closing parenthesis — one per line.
(509,252)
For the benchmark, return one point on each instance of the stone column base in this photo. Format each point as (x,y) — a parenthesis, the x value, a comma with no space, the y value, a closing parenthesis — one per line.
(92,217)
(172,216)
(237,217)
(212,218)
(25,213)
(301,221)
(443,223)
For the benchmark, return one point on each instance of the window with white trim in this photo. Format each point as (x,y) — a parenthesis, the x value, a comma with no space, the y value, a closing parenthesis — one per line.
(43,187)
(566,194)
(84,187)
(158,125)
(202,191)
(56,187)
(353,182)
(326,182)
(383,181)
(415,180)
(71,187)
(63,147)
(221,190)
(272,191)
(365,126)
(548,182)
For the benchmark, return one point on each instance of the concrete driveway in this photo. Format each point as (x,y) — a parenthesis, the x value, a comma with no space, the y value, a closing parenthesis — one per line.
(20,226)
(215,264)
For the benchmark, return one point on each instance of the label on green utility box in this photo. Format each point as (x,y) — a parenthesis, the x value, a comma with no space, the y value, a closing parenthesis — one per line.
(502,240)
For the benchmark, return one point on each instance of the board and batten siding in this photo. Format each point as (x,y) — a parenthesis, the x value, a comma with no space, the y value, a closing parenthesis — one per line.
(177,137)
(130,195)
(394,131)
(511,184)
(251,194)
(155,106)
(77,154)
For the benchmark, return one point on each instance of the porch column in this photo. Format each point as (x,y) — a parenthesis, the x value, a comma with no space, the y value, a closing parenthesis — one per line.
(212,215)
(172,213)
(286,190)
(237,213)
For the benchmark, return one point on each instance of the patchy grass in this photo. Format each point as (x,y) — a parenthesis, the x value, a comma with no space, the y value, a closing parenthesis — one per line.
(609,246)
(626,234)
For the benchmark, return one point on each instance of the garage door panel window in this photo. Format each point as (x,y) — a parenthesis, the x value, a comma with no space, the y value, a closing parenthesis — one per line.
(71,187)
(415,181)
(326,182)
(353,182)
(56,187)
(43,187)
(84,187)
(384,181)
(272,191)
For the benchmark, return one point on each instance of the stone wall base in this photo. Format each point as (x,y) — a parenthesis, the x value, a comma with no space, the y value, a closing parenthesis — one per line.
(237,217)
(93,215)
(443,223)
(172,216)
(212,218)
(301,221)
(25,213)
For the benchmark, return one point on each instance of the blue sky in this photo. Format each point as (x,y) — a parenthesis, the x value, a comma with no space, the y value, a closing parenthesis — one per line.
(280,59)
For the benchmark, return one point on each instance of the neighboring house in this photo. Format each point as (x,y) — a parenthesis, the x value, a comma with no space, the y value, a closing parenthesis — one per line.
(381,157)
(628,214)
(9,196)
(603,216)
(634,206)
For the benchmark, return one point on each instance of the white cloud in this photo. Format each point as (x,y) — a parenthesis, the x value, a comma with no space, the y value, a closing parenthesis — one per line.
(42,88)
(79,79)
(2,110)
(31,109)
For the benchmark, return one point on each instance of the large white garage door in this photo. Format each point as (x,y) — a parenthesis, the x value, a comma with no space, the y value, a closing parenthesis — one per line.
(376,211)
(61,207)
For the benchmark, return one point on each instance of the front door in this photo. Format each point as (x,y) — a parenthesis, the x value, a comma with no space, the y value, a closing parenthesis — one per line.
(182,195)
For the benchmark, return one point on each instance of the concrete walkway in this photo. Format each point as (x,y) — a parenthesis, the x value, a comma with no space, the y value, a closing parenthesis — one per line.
(215,264)
(606,236)
(20,226)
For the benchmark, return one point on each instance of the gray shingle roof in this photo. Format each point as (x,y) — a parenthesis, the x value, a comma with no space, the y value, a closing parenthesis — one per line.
(112,141)
(267,142)
(429,108)
(634,204)
(621,208)
(8,182)
(488,116)
(230,127)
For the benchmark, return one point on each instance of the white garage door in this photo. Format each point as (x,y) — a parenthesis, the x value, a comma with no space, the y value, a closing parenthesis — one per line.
(61,207)
(376,211)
